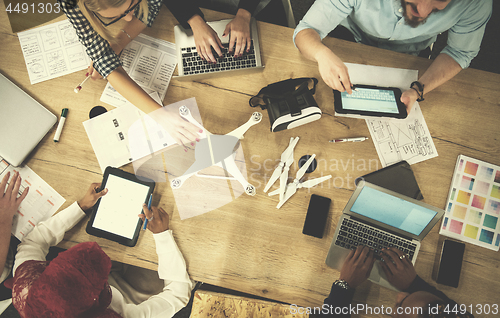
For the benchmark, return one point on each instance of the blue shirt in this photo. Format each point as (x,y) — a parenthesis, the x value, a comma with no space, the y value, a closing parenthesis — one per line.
(381,23)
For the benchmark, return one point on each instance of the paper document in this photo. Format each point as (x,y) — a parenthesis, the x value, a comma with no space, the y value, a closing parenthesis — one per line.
(52,51)
(473,205)
(395,139)
(40,204)
(150,63)
(109,135)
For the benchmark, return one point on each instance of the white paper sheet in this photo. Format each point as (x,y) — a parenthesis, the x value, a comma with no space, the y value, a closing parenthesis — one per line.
(52,51)
(395,139)
(150,63)
(41,202)
(109,135)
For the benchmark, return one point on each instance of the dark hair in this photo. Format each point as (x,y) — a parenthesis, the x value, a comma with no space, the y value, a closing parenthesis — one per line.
(441,309)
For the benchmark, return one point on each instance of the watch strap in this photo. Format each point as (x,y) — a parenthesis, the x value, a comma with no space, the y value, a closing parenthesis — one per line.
(419,89)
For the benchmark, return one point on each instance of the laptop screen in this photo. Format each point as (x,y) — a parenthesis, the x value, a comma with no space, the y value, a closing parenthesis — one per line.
(399,213)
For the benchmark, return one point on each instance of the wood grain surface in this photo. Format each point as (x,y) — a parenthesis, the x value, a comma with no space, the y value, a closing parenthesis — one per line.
(248,245)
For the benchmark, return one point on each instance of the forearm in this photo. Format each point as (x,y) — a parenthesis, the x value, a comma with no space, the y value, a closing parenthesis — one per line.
(183,10)
(35,245)
(129,89)
(131,31)
(195,21)
(243,13)
(309,44)
(439,72)
(5,230)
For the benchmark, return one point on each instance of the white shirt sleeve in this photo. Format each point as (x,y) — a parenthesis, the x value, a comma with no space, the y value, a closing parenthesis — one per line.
(35,245)
(177,284)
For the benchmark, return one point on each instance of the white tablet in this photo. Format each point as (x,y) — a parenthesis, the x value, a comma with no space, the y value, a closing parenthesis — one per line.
(114,216)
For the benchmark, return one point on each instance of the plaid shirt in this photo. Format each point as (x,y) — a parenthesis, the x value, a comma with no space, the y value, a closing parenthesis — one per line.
(98,49)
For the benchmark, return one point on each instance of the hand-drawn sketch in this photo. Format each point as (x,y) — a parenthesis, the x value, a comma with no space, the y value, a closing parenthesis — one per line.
(44,55)
(50,39)
(36,68)
(402,139)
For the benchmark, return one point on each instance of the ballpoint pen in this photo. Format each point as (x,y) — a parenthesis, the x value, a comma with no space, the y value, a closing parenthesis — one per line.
(149,208)
(349,139)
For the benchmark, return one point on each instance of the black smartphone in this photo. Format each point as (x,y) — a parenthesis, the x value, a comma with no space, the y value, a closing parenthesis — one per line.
(450,264)
(317,212)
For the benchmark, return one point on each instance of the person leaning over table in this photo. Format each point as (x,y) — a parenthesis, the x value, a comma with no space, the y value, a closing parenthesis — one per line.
(407,26)
(189,15)
(415,292)
(9,203)
(76,282)
(91,19)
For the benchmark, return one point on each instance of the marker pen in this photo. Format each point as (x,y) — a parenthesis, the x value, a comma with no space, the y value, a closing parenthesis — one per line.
(60,126)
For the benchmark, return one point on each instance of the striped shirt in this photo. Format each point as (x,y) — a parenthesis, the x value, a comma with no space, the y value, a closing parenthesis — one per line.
(98,49)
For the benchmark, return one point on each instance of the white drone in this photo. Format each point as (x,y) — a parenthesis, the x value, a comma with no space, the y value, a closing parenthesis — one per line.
(291,188)
(217,150)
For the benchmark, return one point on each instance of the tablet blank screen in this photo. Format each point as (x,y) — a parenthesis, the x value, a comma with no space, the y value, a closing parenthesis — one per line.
(118,209)
(372,100)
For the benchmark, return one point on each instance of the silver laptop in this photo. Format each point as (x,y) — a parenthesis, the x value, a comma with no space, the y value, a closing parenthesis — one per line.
(23,122)
(379,218)
(192,67)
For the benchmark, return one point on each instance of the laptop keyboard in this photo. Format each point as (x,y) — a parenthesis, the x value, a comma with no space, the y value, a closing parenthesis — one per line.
(193,64)
(353,233)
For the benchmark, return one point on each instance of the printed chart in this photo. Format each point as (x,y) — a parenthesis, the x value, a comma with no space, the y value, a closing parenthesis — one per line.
(473,206)
(52,51)
(150,63)
(41,202)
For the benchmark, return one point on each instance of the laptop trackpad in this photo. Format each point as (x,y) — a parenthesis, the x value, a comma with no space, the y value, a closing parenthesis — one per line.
(377,272)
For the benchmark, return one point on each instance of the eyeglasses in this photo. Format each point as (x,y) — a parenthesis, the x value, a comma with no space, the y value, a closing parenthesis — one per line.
(113,20)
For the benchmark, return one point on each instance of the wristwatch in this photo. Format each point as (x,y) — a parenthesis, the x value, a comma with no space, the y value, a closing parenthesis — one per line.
(342,284)
(419,89)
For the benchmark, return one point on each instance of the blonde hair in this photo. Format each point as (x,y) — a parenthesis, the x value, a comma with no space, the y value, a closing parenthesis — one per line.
(87,7)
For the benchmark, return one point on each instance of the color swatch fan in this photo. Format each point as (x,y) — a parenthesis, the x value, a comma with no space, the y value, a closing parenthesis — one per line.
(473,206)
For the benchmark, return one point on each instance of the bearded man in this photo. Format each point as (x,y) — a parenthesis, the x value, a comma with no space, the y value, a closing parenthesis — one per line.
(403,26)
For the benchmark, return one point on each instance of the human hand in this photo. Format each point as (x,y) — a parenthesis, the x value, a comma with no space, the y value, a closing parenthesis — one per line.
(398,268)
(158,219)
(92,72)
(205,38)
(9,202)
(183,132)
(239,28)
(333,71)
(89,200)
(409,97)
(357,266)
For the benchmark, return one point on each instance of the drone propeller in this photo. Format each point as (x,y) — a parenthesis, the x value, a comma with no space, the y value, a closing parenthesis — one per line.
(284,157)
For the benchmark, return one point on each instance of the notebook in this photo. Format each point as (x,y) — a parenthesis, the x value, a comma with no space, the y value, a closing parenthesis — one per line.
(192,67)
(23,122)
(379,218)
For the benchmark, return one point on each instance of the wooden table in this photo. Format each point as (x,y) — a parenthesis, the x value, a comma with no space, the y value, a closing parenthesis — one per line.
(248,245)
